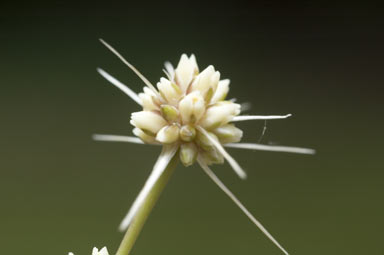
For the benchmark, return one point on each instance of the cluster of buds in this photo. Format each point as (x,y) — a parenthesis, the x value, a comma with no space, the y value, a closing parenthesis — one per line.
(187,105)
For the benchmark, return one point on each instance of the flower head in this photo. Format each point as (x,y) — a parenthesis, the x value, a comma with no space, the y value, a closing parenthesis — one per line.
(188,112)
(96,251)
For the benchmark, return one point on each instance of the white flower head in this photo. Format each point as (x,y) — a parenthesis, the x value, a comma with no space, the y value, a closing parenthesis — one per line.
(96,251)
(188,112)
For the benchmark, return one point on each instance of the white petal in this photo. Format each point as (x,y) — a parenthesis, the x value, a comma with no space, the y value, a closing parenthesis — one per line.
(146,138)
(103,251)
(70,253)
(221,91)
(148,121)
(169,91)
(236,167)
(168,134)
(221,185)
(260,117)
(219,114)
(95,251)
(116,138)
(192,107)
(263,147)
(205,80)
(119,85)
(188,153)
(162,162)
(228,133)
(145,80)
(149,100)
(170,70)
(185,71)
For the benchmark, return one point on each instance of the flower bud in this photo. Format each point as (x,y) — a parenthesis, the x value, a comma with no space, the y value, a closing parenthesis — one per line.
(168,134)
(187,133)
(192,107)
(169,91)
(169,112)
(149,100)
(228,134)
(144,137)
(212,157)
(185,71)
(188,153)
(148,121)
(219,114)
(221,91)
(205,80)
(204,142)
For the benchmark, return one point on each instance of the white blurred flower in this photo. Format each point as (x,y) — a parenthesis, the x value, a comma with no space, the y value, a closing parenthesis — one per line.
(189,113)
(96,251)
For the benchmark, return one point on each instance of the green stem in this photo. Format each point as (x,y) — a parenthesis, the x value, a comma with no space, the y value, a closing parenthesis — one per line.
(138,222)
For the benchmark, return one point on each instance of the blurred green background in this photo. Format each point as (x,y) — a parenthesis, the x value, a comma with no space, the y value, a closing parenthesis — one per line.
(62,192)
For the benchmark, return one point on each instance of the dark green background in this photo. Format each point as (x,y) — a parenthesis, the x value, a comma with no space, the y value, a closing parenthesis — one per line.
(61,192)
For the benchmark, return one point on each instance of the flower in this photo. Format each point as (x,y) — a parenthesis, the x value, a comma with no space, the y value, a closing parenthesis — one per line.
(188,111)
(96,251)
